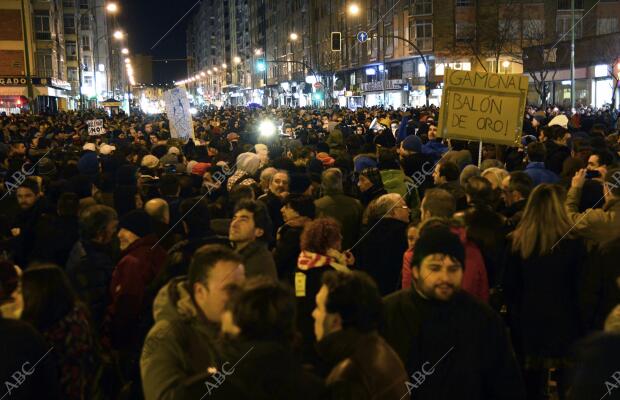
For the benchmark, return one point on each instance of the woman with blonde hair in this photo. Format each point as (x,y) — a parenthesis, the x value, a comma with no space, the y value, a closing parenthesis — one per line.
(541,284)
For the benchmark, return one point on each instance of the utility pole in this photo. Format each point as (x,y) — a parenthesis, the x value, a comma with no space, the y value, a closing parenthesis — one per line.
(27,55)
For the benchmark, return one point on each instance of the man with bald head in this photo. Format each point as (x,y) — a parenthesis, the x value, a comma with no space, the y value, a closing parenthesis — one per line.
(159,211)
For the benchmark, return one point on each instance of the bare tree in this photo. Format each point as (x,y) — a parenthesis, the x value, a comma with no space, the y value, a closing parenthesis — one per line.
(496,30)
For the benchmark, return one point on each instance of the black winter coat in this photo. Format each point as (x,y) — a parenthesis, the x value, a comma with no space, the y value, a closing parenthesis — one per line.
(463,339)
(90,271)
(380,253)
(600,291)
(542,294)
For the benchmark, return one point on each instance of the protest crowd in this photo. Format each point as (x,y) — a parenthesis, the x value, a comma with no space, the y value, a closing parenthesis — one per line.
(347,255)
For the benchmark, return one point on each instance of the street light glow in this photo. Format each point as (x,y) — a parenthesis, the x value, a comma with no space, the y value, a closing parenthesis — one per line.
(127,61)
(125,51)
(237,60)
(112,7)
(258,52)
(209,72)
(354,9)
(293,36)
(224,66)
(215,69)
(203,74)
(118,35)
(267,128)
(506,64)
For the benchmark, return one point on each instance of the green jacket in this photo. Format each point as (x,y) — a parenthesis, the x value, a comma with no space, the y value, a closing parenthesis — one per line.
(395,181)
(180,347)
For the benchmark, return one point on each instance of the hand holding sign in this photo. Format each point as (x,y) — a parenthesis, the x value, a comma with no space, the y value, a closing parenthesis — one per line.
(95,127)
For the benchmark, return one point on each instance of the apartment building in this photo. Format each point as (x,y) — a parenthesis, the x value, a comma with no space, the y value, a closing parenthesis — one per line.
(406,45)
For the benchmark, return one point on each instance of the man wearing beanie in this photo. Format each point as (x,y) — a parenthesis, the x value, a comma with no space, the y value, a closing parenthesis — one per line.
(141,260)
(453,346)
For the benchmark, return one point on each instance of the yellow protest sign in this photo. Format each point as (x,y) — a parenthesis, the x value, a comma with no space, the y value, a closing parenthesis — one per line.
(483,106)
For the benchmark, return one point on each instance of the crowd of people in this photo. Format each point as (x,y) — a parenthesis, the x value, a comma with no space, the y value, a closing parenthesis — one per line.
(350,255)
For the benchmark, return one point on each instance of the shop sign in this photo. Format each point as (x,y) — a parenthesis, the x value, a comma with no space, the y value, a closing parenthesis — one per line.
(13,81)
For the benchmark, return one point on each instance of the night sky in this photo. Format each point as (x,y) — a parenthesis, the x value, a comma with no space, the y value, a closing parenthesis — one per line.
(146,21)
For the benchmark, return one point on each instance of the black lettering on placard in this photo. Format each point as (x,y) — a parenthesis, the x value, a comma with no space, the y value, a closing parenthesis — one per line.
(458,120)
(496,126)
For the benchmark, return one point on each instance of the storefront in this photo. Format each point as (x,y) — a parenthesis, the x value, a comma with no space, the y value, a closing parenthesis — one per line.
(394,94)
(51,95)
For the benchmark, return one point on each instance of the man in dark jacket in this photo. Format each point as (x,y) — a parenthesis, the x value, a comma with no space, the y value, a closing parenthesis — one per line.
(437,324)
(31,204)
(516,190)
(278,189)
(90,265)
(380,252)
(250,231)
(335,204)
(179,353)
(141,260)
(363,365)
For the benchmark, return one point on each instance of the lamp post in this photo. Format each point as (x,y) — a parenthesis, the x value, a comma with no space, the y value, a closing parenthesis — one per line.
(27,56)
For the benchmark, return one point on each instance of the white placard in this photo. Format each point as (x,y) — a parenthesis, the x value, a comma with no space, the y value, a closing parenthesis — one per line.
(179,115)
(95,127)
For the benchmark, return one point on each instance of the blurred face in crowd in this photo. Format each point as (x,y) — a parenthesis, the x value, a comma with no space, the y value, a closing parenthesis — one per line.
(413,233)
(26,198)
(359,130)
(432,132)
(288,213)
(108,233)
(437,178)
(438,277)
(211,296)
(279,184)
(243,230)
(324,322)
(13,307)
(401,211)
(18,149)
(126,238)
(593,162)
(148,128)
(364,183)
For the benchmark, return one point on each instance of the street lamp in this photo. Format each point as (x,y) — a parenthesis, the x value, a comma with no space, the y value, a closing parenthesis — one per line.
(237,60)
(224,66)
(203,74)
(125,51)
(354,9)
(293,36)
(112,7)
(118,35)
(258,52)
(215,69)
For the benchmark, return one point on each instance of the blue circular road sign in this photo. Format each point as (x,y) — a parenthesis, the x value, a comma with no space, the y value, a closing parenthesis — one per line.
(362,36)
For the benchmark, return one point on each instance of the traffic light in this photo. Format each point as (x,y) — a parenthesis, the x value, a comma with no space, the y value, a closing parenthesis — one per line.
(336,41)
(261,66)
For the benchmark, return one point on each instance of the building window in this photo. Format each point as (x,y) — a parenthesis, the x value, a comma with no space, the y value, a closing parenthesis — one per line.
(71,49)
(565,4)
(563,25)
(464,31)
(84,4)
(44,63)
(85,22)
(534,30)
(464,3)
(509,28)
(68,3)
(606,25)
(72,74)
(42,25)
(69,22)
(423,7)
(87,61)
(421,32)
(86,43)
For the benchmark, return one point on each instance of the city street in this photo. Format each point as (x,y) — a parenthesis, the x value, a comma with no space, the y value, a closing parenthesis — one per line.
(282,200)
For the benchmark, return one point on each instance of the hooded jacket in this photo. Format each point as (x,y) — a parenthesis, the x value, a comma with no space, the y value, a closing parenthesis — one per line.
(179,349)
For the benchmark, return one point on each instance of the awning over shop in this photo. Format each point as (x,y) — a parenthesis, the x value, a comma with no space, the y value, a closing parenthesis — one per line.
(111,103)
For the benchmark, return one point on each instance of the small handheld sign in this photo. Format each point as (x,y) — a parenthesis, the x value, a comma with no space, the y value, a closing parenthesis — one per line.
(95,127)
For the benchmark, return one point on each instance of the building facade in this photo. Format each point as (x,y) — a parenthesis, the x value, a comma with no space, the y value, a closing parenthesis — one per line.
(395,52)
(54,55)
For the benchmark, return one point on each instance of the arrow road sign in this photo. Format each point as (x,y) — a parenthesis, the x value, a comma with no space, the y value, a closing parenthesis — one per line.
(362,36)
